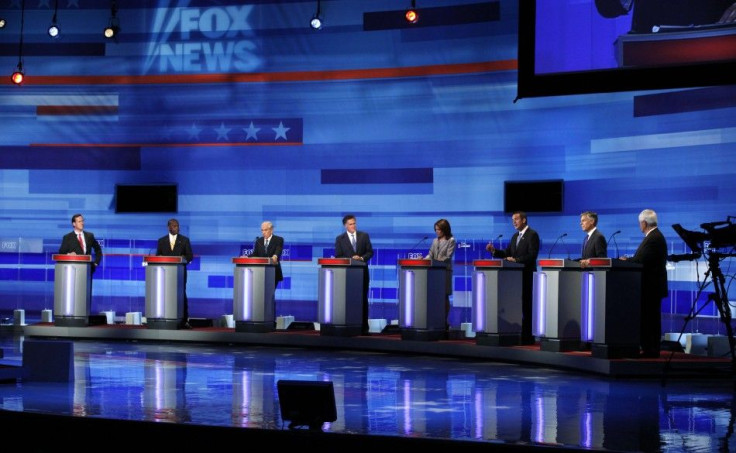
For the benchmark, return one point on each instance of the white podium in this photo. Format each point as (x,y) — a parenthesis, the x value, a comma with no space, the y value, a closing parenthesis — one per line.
(422,291)
(164,291)
(497,302)
(254,285)
(72,290)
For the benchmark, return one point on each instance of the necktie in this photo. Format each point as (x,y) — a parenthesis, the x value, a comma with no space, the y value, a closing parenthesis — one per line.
(585,242)
(518,239)
(352,241)
(172,242)
(265,243)
(81,241)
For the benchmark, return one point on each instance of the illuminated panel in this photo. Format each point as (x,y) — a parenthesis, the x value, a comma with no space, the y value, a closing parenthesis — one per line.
(540,297)
(247,295)
(69,287)
(327,296)
(480,302)
(587,306)
(408,298)
(159,299)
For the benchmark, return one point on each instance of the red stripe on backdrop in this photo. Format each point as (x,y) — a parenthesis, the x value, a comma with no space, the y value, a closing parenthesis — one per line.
(60,110)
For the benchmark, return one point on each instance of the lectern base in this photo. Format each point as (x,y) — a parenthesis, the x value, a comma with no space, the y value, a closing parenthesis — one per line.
(497,339)
(422,334)
(559,344)
(254,326)
(163,323)
(339,330)
(609,351)
(71,321)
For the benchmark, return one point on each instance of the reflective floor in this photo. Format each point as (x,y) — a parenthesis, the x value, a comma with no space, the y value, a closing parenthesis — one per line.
(382,394)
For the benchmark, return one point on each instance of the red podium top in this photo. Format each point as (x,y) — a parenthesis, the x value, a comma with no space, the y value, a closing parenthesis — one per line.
(333,261)
(251,260)
(558,262)
(73,258)
(415,263)
(495,263)
(599,262)
(152,259)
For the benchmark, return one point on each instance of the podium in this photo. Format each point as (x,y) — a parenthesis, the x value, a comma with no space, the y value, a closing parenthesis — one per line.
(422,291)
(611,298)
(164,291)
(254,286)
(340,298)
(497,302)
(72,290)
(556,305)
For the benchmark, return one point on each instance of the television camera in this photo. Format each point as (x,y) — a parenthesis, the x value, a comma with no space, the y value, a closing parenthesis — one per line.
(718,236)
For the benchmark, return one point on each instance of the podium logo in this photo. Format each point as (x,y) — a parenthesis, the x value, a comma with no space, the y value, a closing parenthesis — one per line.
(415,256)
(214,39)
(9,246)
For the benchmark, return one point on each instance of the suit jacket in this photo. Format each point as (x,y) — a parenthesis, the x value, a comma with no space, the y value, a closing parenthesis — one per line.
(182,247)
(596,247)
(344,249)
(526,252)
(652,255)
(70,243)
(275,247)
(443,251)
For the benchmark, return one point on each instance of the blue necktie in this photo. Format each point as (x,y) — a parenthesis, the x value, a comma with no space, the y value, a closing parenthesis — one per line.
(352,241)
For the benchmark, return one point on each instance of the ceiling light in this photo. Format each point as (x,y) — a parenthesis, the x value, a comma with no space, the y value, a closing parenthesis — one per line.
(412,15)
(316,22)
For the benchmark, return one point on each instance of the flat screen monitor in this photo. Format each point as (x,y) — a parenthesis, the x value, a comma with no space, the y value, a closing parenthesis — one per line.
(594,46)
(533,196)
(141,198)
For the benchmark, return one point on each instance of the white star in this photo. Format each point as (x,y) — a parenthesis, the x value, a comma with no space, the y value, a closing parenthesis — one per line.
(251,131)
(194,131)
(222,132)
(281,130)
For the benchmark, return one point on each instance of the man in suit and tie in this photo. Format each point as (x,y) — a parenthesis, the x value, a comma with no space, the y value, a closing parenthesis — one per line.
(80,242)
(356,245)
(270,246)
(594,244)
(523,248)
(652,255)
(175,244)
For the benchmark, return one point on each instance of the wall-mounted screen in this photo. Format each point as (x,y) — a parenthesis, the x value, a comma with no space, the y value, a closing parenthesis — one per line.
(146,198)
(533,196)
(595,46)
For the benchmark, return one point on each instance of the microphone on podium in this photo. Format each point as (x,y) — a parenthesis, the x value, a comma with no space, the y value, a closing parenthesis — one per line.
(417,245)
(553,245)
(613,236)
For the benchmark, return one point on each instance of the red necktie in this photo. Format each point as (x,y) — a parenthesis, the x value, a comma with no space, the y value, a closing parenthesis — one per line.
(81,242)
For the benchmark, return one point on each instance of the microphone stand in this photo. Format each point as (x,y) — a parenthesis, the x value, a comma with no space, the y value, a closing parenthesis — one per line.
(411,250)
(613,236)
(553,245)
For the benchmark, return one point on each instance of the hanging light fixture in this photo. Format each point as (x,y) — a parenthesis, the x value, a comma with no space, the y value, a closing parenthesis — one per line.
(18,76)
(2,23)
(316,22)
(412,15)
(113,25)
(54,27)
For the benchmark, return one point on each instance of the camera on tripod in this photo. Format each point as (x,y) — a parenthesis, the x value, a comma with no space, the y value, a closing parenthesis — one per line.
(717,235)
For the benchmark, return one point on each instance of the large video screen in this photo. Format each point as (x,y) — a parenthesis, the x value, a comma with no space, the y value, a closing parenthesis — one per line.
(592,46)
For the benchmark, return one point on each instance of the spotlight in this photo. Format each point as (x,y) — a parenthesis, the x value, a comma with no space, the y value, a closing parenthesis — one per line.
(18,76)
(113,25)
(54,28)
(316,22)
(2,22)
(412,15)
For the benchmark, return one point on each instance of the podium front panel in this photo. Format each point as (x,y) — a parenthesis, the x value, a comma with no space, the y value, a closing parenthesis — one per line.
(340,296)
(556,304)
(164,292)
(497,301)
(253,293)
(422,293)
(72,290)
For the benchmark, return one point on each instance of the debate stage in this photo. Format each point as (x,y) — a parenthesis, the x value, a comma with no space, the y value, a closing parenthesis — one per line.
(669,364)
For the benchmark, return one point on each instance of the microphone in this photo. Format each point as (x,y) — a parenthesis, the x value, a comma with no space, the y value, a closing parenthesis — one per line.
(553,245)
(613,236)
(499,240)
(411,250)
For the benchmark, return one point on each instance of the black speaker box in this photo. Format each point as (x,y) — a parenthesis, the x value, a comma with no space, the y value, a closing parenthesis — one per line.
(200,322)
(97,320)
(300,325)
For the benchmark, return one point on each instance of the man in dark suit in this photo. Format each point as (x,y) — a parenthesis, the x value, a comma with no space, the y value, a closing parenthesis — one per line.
(523,248)
(270,246)
(652,255)
(594,244)
(175,244)
(356,245)
(80,242)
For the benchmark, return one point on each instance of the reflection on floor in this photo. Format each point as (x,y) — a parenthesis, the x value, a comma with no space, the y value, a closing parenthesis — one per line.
(394,398)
